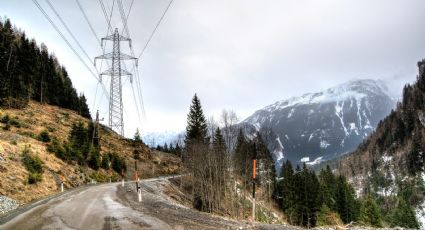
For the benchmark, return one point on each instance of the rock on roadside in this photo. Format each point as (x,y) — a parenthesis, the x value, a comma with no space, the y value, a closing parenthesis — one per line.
(7,205)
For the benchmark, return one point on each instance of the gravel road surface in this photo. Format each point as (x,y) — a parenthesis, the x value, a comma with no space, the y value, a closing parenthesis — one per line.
(111,206)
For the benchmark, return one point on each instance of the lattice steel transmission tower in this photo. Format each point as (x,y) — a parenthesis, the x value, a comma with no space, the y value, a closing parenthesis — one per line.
(116,71)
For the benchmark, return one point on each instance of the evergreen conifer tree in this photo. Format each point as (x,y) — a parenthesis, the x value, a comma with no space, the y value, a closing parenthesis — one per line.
(370,214)
(403,216)
(196,130)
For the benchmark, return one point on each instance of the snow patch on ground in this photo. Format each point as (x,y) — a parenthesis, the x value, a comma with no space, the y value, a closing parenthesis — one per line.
(386,158)
(315,162)
(305,159)
(291,113)
(324,144)
(279,142)
(340,114)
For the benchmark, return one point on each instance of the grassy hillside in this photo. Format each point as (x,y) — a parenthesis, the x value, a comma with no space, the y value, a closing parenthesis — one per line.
(22,134)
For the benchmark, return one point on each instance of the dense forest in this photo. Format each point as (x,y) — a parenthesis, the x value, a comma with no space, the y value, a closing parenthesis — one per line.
(388,164)
(220,180)
(29,72)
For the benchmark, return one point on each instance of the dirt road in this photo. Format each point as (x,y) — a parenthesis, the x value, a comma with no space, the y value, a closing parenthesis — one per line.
(111,206)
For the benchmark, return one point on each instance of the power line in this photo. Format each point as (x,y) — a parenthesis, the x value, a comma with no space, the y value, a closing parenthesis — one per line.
(63,37)
(137,75)
(107,18)
(69,31)
(95,95)
(135,102)
(67,43)
(88,21)
(139,92)
(156,27)
(125,27)
(123,18)
(129,10)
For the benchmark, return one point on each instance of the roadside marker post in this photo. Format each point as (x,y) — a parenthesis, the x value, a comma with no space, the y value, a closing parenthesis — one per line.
(62,180)
(139,194)
(110,173)
(138,189)
(122,174)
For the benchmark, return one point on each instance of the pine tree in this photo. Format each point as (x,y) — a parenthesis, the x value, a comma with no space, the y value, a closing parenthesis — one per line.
(326,217)
(403,216)
(197,157)
(346,204)
(94,159)
(83,108)
(165,149)
(266,159)
(327,188)
(240,155)
(137,137)
(28,71)
(196,130)
(370,214)
(79,143)
(178,149)
(286,193)
(414,157)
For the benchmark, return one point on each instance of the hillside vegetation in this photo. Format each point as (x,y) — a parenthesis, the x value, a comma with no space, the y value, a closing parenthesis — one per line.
(29,72)
(23,137)
(388,165)
(46,131)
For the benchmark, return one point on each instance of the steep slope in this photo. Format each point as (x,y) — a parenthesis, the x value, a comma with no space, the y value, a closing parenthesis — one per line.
(29,122)
(28,71)
(397,143)
(390,163)
(321,126)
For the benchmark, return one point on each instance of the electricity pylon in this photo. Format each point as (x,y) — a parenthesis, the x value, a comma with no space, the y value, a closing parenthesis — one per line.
(116,122)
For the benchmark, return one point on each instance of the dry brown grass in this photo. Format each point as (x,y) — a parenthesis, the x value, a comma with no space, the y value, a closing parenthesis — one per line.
(36,118)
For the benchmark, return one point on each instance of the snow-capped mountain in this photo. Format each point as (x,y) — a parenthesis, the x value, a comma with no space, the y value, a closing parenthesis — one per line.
(321,126)
(153,139)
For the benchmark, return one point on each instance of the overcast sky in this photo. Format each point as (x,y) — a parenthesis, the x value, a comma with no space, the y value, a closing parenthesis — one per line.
(236,54)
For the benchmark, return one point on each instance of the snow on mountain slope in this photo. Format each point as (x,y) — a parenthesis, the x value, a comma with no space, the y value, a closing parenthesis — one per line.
(323,125)
(153,139)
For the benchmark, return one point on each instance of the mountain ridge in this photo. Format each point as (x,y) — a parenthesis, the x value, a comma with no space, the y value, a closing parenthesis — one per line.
(322,125)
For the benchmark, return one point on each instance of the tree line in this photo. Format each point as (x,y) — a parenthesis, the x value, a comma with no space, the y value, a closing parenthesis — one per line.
(219,179)
(173,149)
(82,148)
(29,72)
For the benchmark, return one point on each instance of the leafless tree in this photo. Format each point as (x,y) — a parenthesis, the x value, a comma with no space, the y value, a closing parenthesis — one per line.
(229,120)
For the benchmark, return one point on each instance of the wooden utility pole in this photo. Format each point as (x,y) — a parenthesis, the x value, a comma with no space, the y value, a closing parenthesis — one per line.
(254,175)
(96,133)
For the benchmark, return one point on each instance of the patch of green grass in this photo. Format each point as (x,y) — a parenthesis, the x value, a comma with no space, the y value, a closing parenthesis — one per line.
(34,165)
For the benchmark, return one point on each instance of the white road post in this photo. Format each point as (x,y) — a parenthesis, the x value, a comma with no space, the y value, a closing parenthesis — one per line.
(253,209)
(122,182)
(140,194)
(62,180)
